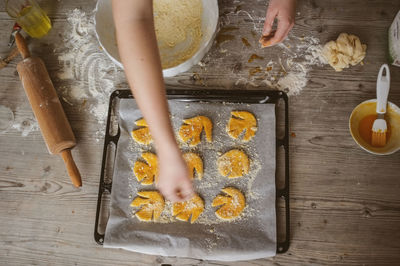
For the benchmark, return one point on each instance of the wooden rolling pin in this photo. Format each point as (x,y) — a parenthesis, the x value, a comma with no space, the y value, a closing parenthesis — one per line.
(47,108)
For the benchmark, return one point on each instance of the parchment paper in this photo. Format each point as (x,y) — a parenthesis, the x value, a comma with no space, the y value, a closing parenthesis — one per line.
(250,236)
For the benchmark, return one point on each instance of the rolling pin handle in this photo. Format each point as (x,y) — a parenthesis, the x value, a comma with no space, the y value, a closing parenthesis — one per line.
(71,168)
(22,47)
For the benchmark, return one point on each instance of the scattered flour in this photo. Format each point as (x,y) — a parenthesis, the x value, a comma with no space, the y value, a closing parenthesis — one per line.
(289,71)
(295,64)
(90,74)
(285,66)
(24,120)
(25,125)
(293,82)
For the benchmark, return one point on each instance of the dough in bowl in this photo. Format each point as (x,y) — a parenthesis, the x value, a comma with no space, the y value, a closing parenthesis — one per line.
(178,29)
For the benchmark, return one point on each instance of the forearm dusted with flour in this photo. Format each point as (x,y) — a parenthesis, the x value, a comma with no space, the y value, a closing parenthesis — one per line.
(140,56)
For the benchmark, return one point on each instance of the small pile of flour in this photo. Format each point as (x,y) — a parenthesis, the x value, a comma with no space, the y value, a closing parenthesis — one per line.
(308,53)
(294,62)
(91,76)
(24,120)
(25,125)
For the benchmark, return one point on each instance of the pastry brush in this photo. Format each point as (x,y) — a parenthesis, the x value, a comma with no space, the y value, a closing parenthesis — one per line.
(379,128)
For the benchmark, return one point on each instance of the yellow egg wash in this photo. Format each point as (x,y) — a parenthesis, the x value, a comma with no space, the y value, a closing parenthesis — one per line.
(365,128)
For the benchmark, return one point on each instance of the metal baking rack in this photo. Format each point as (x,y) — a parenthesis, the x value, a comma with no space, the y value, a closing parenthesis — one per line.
(215,95)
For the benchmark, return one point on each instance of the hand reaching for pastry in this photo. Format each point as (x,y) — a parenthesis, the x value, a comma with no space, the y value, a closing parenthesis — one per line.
(284,12)
(173,180)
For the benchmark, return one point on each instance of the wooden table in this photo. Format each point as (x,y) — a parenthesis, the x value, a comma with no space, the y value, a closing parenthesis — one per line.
(345,203)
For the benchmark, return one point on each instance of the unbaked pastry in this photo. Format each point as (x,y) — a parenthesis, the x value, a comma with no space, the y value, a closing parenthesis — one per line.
(194,163)
(233,203)
(242,121)
(345,51)
(265,40)
(191,130)
(233,163)
(142,135)
(190,209)
(151,205)
(148,171)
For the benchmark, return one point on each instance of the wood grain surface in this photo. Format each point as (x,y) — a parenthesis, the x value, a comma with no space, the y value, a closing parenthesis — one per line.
(345,203)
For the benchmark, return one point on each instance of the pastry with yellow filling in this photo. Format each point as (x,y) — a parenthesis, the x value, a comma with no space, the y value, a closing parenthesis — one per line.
(232,201)
(190,209)
(142,135)
(146,172)
(194,164)
(191,130)
(151,205)
(233,163)
(242,121)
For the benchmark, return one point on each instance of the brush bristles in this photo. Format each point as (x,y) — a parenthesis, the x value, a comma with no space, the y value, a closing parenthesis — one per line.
(378,139)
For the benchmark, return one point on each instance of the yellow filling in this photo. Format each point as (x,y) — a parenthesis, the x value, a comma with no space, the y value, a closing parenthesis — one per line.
(151,205)
(233,203)
(194,164)
(191,130)
(148,171)
(142,135)
(233,163)
(190,209)
(242,121)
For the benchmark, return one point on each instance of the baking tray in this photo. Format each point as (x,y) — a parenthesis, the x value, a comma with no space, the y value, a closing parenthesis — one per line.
(280,100)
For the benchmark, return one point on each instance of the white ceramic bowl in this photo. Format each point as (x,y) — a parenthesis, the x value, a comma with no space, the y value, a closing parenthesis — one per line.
(393,117)
(105,33)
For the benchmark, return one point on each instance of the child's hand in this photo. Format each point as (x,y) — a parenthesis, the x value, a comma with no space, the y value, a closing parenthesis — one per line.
(173,179)
(284,11)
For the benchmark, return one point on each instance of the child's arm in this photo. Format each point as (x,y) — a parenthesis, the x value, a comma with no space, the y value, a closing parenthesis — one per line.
(284,11)
(139,53)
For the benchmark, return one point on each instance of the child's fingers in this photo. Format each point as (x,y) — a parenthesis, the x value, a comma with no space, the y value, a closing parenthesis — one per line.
(187,190)
(269,21)
(167,192)
(282,31)
(184,191)
(181,193)
(173,197)
(178,196)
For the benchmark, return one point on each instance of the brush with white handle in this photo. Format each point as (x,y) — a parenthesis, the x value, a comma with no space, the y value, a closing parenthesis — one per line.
(379,128)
